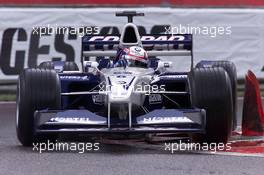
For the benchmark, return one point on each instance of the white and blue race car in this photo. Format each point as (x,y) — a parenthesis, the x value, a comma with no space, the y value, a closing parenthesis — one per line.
(129,89)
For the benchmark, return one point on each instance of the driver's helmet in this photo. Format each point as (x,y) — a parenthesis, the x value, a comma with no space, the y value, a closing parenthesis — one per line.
(133,57)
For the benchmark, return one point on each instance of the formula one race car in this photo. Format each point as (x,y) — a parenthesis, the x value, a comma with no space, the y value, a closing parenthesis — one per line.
(128,90)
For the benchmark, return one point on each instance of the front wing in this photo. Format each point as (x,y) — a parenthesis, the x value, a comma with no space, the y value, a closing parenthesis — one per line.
(84,121)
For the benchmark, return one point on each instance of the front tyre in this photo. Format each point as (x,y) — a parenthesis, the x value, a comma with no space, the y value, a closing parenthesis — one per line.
(211,90)
(36,90)
(230,68)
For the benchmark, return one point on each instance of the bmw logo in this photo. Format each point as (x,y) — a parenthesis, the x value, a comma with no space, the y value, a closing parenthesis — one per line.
(137,49)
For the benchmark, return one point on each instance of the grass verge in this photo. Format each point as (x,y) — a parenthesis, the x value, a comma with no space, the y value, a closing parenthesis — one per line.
(7,97)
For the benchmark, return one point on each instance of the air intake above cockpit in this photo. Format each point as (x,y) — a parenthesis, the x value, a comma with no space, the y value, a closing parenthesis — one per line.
(130,36)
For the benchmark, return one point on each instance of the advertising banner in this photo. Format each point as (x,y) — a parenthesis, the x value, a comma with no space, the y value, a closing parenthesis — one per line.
(29,36)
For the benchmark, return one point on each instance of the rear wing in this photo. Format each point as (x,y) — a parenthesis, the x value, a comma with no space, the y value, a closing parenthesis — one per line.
(155,45)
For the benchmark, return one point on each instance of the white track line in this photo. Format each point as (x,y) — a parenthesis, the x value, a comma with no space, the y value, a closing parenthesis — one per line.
(7,102)
(231,154)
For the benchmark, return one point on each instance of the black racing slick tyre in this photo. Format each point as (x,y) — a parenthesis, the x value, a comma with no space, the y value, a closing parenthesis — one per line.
(230,68)
(211,90)
(37,89)
(68,66)
(46,65)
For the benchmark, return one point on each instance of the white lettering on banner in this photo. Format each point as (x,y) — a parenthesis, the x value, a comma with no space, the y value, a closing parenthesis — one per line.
(21,47)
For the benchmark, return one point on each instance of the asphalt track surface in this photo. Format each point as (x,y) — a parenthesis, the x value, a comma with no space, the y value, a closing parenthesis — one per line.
(116,157)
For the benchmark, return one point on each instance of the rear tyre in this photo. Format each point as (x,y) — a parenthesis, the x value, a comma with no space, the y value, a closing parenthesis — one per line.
(230,68)
(37,89)
(46,65)
(68,66)
(211,90)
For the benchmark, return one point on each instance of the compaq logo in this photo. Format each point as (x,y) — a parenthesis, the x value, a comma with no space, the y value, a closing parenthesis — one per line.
(104,38)
(163,38)
(167,120)
(70,77)
(176,76)
(69,119)
(143,38)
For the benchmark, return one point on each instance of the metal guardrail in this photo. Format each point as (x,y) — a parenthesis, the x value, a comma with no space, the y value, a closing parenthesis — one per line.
(8,86)
(241,84)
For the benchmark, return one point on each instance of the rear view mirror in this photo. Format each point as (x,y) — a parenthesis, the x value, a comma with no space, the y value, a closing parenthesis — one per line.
(90,64)
(163,65)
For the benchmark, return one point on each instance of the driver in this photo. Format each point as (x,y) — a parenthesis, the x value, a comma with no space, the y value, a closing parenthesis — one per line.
(132,57)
